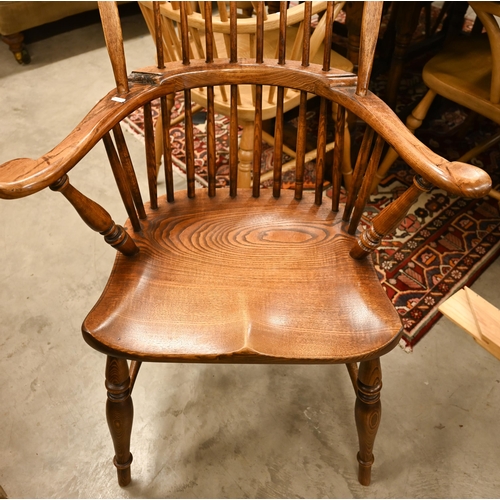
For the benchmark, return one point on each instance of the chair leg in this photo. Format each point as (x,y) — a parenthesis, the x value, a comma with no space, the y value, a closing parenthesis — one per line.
(245,156)
(119,414)
(367,413)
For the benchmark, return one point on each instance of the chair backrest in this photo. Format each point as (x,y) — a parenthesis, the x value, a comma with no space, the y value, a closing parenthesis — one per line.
(487,12)
(24,176)
(298,15)
(295,44)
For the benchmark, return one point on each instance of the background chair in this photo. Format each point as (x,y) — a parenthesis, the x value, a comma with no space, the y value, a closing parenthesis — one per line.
(467,72)
(282,276)
(246,28)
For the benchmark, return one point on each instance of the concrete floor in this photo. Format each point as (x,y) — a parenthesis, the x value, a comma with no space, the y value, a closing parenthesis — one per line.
(199,431)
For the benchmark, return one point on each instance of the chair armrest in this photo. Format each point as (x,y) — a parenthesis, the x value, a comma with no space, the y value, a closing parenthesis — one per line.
(455,177)
(25,176)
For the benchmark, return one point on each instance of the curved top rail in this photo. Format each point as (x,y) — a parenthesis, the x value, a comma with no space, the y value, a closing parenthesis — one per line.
(22,177)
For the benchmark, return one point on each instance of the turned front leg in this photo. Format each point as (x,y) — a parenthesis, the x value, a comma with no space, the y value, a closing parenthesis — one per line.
(119,414)
(367,413)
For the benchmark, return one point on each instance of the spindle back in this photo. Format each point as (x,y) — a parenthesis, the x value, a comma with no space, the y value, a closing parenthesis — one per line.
(190,36)
(280,36)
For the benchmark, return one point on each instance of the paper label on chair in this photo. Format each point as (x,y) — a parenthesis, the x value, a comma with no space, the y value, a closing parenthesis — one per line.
(118,99)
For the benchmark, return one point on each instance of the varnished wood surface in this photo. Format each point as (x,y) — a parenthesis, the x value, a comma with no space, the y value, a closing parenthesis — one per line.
(232,275)
(477,317)
(372,13)
(244,279)
(367,411)
(456,75)
(25,176)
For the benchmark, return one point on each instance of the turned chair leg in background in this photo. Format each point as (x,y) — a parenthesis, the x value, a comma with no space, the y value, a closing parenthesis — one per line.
(119,414)
(245,156)
(367,414)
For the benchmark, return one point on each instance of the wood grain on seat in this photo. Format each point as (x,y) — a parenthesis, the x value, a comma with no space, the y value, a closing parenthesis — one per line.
(220,278)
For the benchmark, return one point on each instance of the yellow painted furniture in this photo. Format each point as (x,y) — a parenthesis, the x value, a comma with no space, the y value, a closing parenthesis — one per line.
(466,71)
(246,27)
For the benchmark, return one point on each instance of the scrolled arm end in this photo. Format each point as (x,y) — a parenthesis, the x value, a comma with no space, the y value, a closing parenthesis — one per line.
(470,180)
(17,177)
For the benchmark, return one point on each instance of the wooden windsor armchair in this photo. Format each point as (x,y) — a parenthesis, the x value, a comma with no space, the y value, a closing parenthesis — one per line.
(284,275)
(246,28)
(466,71)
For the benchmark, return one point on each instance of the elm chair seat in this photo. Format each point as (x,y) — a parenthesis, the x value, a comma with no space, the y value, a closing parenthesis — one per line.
(222,278)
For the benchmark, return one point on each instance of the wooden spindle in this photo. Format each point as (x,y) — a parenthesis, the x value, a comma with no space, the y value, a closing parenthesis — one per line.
(121,181)
(195,35)
(257,141)
(282,35)
(165,109)
(233,32)
(202,9)
(189,138)
(328,35)
(221,5)
(96,217)
(321,151)
(149,140)
(233,142)
(259,48)
(306,47)
(211,155)
(278,143)
(301,146)
(114,42)
(128,168)
(184,33)
(158,37)
(209,39)
(364,193)
(359,172)
(172,39)
(389,219)
(370,24)
(211,149)
(338,155)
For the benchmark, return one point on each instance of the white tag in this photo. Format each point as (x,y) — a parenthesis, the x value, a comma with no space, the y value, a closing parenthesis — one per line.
(118,99)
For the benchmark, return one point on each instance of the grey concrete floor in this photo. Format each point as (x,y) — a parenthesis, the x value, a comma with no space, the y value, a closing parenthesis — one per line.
(199,431)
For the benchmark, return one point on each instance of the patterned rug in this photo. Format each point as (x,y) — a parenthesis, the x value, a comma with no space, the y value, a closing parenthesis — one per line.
(443,244)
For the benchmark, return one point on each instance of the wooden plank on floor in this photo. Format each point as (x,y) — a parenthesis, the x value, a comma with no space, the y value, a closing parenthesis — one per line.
(476,316)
